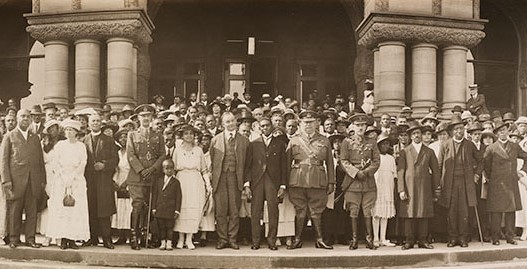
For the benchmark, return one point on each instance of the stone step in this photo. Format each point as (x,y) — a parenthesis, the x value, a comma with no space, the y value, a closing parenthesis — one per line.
(476,256)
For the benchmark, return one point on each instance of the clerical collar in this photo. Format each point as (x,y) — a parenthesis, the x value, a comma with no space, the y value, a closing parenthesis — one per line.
(95,133)
(503,141)
(457,141)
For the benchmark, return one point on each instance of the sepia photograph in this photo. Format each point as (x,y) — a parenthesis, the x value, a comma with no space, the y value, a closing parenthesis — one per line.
(245,134)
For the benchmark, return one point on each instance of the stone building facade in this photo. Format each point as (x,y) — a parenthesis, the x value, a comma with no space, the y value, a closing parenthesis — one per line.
(419,52)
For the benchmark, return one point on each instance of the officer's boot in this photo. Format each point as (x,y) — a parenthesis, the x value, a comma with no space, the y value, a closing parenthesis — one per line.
(354,242)
(134,230)
(299,227)
(317,223)
(369,233)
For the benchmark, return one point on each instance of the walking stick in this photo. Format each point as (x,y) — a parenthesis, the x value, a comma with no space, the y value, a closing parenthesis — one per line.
(479,225)
(148,217)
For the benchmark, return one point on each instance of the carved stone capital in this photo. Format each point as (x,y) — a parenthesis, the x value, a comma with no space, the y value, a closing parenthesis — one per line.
(90,25)
(378,28)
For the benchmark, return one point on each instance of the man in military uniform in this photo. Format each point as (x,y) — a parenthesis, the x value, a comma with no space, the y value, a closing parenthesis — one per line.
(360,159)
(312,176)
(146,151)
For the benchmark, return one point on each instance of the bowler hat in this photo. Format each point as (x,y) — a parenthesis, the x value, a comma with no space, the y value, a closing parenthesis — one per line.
(457,109)
(475,126)
(499,124)
(456,120)
(36,110)
(509,116)
(442,127)
(246,115)
(413,125)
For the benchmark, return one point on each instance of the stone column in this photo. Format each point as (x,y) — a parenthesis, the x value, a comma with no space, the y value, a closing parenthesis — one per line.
(376,80)
(423,78)
(56,72)
(134,74)
(391,65)
(120,72)
(87,73)
(143,73)
(454,78)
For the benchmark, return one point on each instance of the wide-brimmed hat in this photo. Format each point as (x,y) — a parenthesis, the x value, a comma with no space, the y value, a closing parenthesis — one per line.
(246,115)
(516,133)
(335,137)
(277,110)
(50,123)
(484,118)
(427,128)
(413,125)
(36,110)
(457,109)
(487,133)
(227,97)
(49,105)
(430,116)
(475,126)
(119,132)
(442,127)
(127,108)
(382,137)
(466,115)
(456,120)
(181,129)
(509,116)
(125,122)
(521,120)
(498,124)
(372,128)
(69,123)
(112,126)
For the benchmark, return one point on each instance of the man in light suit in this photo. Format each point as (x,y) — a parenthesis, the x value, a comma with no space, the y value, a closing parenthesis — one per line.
(460,164)
(266,171)
(102,161)
(228,152)
(23,178)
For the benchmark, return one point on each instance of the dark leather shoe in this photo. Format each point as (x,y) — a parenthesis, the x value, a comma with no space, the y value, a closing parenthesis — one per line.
(13,245)
(234,245)
(451,244)
(255,247)
(6,240)
(370,245)
(120,241)
(203,242)
(425,246)
(63,243)
(321,244)
(91,242)
(108,245)
(221,245)
(407,246)
(463,244)
(296,244)
(273,247)
(72,245)
(33,244)
(354,244)
(512,242)
(496,242)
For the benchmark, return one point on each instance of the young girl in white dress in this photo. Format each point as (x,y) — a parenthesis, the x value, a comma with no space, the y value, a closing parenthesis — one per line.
(121,219)
(384,205)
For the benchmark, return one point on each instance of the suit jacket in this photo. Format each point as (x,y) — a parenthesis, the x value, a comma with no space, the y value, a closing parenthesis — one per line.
(477,105)
(33,128)
(144,150)
(272,158)
(472,164)
(418,175)
(217,154)
(22,163)
(100,183)
(500,164)
(166,201)
(357,108)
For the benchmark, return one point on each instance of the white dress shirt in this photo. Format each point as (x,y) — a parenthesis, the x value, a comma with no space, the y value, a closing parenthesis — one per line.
(24,133)
(417,147)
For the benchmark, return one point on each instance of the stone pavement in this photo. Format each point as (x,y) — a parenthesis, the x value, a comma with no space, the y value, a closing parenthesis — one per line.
(306,257)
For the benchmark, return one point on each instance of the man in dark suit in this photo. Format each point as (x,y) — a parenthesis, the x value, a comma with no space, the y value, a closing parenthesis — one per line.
(503,199)
(460,164)
(266,173)
(228,152)
(37,126)
(23,178)
(100,167)
(476,103)
(418,181)
(146,151)
(351,106)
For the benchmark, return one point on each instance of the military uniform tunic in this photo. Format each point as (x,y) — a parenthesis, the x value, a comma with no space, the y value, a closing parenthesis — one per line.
(312,170)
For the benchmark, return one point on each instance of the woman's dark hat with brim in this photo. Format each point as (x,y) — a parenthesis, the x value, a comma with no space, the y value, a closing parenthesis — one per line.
(181,129)
(456,120)
(113,127)
(246,115)
(336,137)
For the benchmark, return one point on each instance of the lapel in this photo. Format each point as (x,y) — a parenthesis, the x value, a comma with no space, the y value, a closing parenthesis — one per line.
(169,182)
(501,150)
(89,142)
(21,136)
(412,152)
(98,146)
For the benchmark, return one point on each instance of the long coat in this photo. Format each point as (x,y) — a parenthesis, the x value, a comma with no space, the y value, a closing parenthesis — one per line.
(101,195)
(500,162)
(472,164)
(217,154)
(417,175)
(22,163)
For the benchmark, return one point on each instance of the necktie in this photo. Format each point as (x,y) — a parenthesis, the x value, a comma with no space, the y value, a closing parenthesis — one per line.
(231,139)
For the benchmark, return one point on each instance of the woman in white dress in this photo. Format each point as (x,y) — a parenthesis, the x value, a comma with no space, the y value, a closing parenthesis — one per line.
(121,219)
(193,175)
(50,138)
(69,222)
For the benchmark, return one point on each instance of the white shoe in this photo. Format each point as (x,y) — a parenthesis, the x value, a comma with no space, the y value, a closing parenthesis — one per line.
(169,245)
(190,245)
(377,244)
(163,245)
(387,243)
(278,243)
(179,244)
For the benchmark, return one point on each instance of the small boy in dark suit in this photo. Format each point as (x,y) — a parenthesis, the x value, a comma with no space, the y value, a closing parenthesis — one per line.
(167,204)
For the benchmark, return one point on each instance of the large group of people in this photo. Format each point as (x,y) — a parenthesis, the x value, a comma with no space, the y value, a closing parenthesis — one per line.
(170,176)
